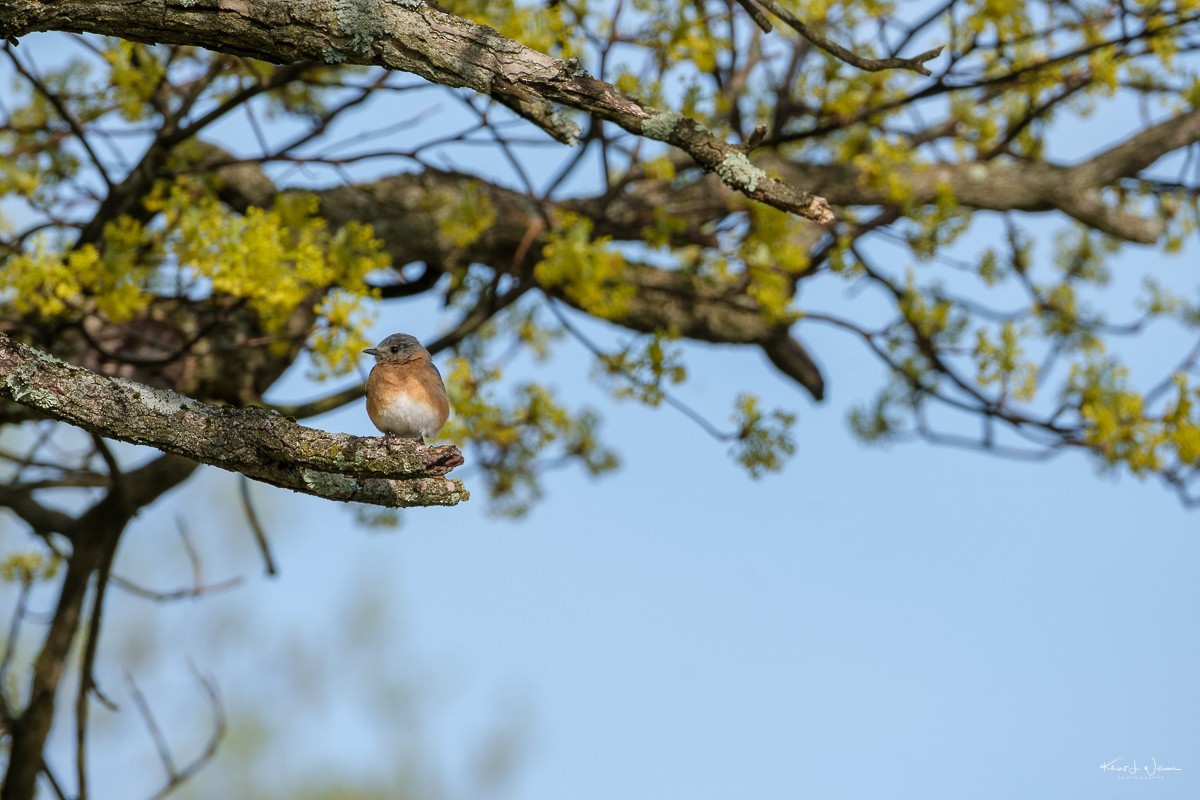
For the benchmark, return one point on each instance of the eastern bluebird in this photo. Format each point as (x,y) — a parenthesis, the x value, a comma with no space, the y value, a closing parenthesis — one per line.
(405,393)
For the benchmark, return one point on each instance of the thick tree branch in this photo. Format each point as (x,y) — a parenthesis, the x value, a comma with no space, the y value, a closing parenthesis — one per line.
(28,733)
(41,519)
(693,306)
(1142,149)
(260,444)
(94,536)
(994,186)
(411,37)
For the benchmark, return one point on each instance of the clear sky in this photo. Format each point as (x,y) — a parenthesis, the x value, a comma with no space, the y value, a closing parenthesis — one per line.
(916,622)
(910,622)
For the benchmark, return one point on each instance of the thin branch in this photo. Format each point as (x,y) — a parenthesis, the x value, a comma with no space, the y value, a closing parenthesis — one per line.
(208,687)
(916,63)
(64,112)
(756,14)
(176,777)
(87,667)
(934,14)
(322,405)
(156,734)
(189,549)
(198,587)
(256,528)
(680,406)
(187,593)
(53,781)
(439,47)
(10,644)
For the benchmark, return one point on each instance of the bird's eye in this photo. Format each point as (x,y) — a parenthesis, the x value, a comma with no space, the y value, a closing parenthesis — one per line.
(395,349)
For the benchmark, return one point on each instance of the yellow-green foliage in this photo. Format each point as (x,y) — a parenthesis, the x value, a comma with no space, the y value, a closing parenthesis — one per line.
(462,216)
(29,567)
(275,259)
(937,225)
(547,27)
(989,269)
(278,259)
(1001,362)
(512,435)
(1120,428)
(686,58)
(49,282)
(763,440)
(640,369)
(773,256)
(134,75)
(877,422)
(1181,421)
(1081,254)
(588,270)
(685,46)
(467,216)
(935,319)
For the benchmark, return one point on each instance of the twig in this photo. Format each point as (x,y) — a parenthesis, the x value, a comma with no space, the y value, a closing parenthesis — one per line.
(10,645)
(680,406)
(190,550)
(177,777)
(56,102)
(87,668)
(160,742)
(756,14)
(256,528)
(915,64)
(177,594)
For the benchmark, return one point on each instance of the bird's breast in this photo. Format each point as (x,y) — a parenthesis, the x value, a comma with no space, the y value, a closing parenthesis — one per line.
(407,402)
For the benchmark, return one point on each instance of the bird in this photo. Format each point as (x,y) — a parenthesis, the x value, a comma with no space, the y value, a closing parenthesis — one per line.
(405,393)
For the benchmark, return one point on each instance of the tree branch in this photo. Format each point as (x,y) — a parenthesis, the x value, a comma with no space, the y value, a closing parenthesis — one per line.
(693,306)
(993,186)
(27,735)
(1142,149)
(411,37)
(41,519)
(916,63)
(257,443)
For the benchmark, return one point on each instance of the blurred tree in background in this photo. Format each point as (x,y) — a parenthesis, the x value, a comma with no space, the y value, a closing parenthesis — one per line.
(231,190)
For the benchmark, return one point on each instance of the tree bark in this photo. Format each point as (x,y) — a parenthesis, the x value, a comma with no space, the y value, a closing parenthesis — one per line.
(409,36)
(258,443)
(94,536)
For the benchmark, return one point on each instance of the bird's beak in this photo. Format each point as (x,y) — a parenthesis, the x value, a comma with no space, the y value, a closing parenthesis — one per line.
(371,351)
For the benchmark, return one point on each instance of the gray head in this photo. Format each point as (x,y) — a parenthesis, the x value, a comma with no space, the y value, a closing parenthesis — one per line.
(397,347)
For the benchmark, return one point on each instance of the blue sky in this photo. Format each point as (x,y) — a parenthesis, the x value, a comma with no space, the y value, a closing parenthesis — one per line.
(907,622)
(912,622)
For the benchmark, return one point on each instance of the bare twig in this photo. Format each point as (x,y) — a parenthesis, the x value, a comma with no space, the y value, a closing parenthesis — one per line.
(209,688)
(675,403)
(57,103)
(186,593)
(256,528)
(10,644)
(915,64)
(156,734)
(177,776)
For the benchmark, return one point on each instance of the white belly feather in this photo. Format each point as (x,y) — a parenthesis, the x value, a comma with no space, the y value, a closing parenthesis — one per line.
(403,417)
